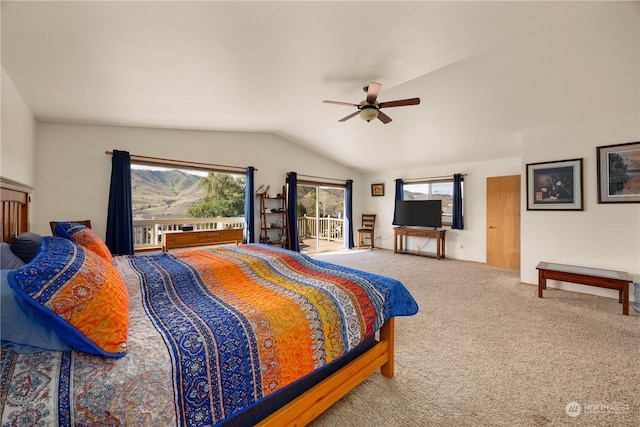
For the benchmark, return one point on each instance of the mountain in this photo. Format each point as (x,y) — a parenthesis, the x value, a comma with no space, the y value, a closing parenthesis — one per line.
(446,198)
(163,194)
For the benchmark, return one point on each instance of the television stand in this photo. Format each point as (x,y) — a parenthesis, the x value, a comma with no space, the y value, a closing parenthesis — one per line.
(400,235)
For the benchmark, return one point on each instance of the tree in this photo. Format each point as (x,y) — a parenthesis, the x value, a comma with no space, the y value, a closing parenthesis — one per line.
(223,196)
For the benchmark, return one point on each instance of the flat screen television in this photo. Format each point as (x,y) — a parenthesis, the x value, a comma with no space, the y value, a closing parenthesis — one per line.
(418,213)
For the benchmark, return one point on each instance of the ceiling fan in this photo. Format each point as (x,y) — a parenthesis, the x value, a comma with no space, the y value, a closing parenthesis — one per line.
(369,109)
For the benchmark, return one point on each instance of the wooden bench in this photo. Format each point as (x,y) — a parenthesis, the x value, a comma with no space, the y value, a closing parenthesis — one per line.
(611,279)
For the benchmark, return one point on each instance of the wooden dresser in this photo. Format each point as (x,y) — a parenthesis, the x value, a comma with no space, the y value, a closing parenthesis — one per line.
(185,239)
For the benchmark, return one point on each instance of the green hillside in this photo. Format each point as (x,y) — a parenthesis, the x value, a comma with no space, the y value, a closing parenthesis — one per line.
(163,194)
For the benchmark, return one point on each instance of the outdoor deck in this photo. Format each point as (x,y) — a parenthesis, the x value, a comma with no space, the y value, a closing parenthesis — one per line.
(308,246)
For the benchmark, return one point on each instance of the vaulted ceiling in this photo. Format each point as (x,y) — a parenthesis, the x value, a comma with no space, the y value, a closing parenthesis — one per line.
(485,71)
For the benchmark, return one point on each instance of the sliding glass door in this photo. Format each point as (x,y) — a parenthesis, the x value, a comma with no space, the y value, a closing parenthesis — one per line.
(320,218)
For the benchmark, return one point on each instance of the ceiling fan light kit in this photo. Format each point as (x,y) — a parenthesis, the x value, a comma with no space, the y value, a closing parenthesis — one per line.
(369,109)
(368,113)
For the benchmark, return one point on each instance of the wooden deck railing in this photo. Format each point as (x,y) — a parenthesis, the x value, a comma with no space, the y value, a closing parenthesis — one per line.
(324,228)
(148,232)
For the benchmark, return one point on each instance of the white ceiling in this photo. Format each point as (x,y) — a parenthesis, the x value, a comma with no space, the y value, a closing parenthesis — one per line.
(484,71)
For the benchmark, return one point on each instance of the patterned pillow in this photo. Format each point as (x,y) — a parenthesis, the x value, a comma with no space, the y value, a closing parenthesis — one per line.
(84,236)
(78,294)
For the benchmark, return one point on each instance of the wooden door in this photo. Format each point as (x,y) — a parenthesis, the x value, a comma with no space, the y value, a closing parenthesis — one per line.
(503,222)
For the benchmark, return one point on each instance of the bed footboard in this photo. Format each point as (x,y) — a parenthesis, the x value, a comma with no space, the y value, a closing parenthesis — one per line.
(305,408)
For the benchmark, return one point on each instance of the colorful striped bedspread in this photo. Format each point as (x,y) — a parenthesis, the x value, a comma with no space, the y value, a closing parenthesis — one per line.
(212,332)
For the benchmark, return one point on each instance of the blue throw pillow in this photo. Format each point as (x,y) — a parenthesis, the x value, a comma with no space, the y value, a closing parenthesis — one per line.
(9,260)
(20,325)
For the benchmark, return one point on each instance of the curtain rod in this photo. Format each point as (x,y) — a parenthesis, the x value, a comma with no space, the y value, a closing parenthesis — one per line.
(169,162)
(432,178)
(320,177)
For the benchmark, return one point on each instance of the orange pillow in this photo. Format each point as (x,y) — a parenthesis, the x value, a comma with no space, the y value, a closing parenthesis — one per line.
(84,236)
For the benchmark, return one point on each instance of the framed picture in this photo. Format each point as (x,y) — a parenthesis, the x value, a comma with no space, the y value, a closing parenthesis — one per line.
(377,189)
(619,173)
(555,186)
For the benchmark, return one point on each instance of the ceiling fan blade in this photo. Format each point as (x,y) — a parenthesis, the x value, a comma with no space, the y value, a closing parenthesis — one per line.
(383,117)
(341,103)
(399,103)
(344,119)
(373,90)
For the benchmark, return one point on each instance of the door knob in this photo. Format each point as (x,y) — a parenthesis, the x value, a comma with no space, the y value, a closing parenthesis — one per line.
(491,226)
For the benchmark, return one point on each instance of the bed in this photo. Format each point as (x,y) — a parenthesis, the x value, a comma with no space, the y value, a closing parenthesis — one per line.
(231,335)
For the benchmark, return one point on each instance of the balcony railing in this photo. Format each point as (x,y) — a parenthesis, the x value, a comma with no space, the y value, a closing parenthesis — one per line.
(148,232)
(324,228)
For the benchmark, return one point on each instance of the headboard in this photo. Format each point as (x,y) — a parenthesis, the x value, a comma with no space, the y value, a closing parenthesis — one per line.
(15,199)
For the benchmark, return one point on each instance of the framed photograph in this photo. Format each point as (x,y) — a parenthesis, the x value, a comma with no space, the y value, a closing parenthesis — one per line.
(555,186)
(619,173)
(377,189)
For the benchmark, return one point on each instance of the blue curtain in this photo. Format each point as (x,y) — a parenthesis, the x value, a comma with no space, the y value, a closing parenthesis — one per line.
(119,237)
(348,217)
(292,214)
(249,207)
(399,196)
(457,223)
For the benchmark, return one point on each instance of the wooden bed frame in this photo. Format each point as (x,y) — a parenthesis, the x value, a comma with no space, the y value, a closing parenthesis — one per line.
(15,200)
(300,411)
(304,409)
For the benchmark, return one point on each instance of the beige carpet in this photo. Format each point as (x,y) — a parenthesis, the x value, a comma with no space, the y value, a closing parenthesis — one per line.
(484,350)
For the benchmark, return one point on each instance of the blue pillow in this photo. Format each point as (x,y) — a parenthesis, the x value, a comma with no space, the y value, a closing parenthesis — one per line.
(26,246)
(9,260)
(20,325)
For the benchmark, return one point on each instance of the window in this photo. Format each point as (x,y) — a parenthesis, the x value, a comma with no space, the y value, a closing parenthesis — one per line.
(164,192)
(168,198)
(440,189)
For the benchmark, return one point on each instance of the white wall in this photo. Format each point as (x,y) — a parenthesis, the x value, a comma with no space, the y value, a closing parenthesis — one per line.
(74,172)
(17,141)
(603,235)
(473,237)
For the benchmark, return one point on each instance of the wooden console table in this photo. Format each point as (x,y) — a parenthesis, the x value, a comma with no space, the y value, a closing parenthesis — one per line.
(611,279)
(185,239)
(400,235)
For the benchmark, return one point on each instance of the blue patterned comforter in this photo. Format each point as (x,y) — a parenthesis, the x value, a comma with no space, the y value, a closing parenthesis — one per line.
(212,332)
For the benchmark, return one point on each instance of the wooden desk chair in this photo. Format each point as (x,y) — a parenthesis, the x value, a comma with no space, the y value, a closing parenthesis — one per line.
(367,230)
(85,222)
